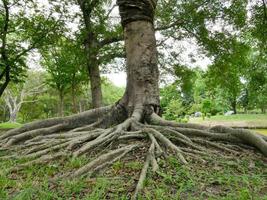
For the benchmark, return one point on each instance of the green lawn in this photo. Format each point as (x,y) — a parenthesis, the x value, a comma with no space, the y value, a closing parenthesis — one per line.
(242,178)
(251,121)
(238,117)
(262,131)
(8,125)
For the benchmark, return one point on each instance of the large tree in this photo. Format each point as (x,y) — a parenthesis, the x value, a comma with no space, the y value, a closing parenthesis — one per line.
(97,34)
(134,117)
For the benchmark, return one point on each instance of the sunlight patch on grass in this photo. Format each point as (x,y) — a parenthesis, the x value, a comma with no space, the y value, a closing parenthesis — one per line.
(262,131)
(9,125)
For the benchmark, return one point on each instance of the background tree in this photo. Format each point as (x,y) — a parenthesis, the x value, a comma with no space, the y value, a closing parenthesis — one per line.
(65,65)
(97,32)
(16,95)
(23,29)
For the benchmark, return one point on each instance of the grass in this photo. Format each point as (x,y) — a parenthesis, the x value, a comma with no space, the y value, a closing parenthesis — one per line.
(251,121)
(9,125)
(242,178)
(237,117)
(261,131)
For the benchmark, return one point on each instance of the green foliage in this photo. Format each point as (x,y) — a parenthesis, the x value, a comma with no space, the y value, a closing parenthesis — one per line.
(185,81)
(25,26)
(224,31)
(65,65)
(206,106)
(174,110)
(172,103)
(111,93)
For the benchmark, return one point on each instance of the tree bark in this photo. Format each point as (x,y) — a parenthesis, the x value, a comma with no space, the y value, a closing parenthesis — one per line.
(142,88)
(5,84)
(13,117)
(3,50)
(74,100)
(61,104)
(95,79)
(233,104)
(91,50)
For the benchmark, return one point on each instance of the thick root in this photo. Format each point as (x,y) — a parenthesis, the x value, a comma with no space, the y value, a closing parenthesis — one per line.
(167,143)
(30,134)
(143,174)
(73,121)
(103,159)
(220,133)
(42,160)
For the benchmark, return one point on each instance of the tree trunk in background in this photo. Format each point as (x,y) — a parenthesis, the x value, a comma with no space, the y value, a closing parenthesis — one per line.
(91,50)
(96,90)
(233,105)
(142,88)
(13,116)
(94,74)
(74,100)
(61,104)
(5,84)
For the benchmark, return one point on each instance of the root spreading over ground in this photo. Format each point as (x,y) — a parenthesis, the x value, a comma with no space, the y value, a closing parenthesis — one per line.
(110,134)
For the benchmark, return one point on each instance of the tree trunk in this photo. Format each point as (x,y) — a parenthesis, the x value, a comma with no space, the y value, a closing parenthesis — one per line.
(61,104)
(142,71)
(5,73)
(95,83)
(3,50)
(13,117)
(74,100)
(93,70)
(13,112)
(91,50)
(233,105)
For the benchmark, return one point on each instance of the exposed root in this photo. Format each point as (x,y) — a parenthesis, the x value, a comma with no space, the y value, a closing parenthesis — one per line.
(156,120)
(52,139)
(34,133)
(154,163)
(73,121)
(42,160)
(159,150)
(218,133)
(248,137)
(132,135)
(167,143)
(38,147)
(213,144)
(104,159)
(149,159)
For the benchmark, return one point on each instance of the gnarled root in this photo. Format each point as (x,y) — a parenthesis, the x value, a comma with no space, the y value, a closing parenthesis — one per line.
(111,139)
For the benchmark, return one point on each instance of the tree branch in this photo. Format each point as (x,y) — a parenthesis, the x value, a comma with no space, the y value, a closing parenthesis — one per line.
(3,73)
(110,10)
(172,25)
(3,87)
(264,10)
(4,32)
(110,40)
